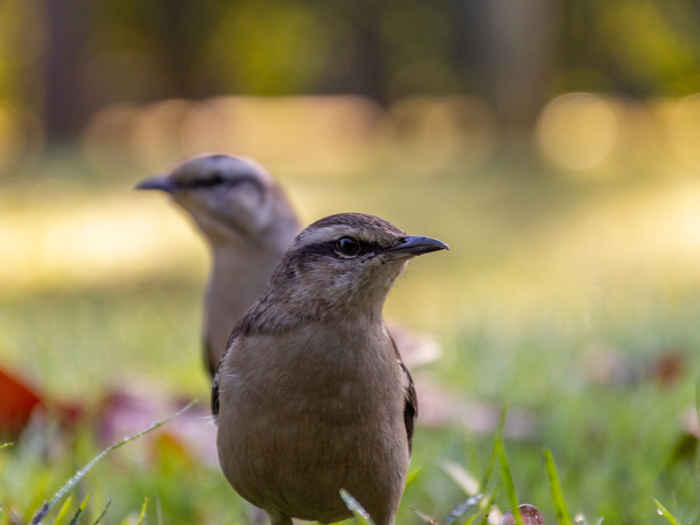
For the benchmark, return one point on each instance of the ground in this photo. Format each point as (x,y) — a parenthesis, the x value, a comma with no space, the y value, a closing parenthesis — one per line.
(561,296)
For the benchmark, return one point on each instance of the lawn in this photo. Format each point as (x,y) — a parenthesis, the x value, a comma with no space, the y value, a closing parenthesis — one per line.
(561,297)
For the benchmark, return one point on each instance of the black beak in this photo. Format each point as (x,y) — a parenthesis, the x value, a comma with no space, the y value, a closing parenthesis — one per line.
(416,245)
(159,182)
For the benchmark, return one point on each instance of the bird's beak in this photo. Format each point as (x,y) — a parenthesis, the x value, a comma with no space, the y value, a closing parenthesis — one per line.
(416,245)
(158,182)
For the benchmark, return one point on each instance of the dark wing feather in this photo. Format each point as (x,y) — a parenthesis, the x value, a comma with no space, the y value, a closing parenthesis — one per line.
(215,396)
(209,361)
(410,409)
(215,372)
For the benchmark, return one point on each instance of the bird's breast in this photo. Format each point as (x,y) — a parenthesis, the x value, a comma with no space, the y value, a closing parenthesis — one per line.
(298,423)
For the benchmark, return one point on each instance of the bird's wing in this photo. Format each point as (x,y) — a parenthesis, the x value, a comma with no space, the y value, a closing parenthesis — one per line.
(410,409)
(215,383)
(209,358)
(215,396)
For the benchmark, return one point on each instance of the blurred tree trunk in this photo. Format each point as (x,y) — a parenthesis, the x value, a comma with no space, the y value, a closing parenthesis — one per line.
(180,39)
(361,61)
(372,68)
(514,55)
(65,108)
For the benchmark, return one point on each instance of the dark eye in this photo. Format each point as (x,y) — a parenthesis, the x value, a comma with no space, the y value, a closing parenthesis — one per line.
(216,179)
(348,246)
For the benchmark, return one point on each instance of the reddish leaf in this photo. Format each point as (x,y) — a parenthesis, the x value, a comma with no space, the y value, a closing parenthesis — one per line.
(18,402)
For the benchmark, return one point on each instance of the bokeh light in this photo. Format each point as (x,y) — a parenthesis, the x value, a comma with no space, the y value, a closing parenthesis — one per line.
(577,131)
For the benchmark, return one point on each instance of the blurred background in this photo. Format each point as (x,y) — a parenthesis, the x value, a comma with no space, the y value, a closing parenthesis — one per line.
(554,144)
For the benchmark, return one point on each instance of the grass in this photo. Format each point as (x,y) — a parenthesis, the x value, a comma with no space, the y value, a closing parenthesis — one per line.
(545,276)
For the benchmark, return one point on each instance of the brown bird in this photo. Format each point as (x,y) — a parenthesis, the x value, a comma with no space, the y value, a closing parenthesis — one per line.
(312,396)
(248,223)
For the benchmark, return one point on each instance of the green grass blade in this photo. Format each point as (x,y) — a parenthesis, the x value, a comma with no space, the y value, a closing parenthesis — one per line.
(63,511)
(361,515)
(486,511)
(494,456)
(423,516)
(464,507)
(142,514)
(104,511)
(8,444)
(563,517)
(412,475)
(159,511)
(663,511)
(461,477)
(80,510)
(507,478)
(41,513)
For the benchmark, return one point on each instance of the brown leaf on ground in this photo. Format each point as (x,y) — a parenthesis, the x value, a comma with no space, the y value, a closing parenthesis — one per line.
(136,404)
(437,407)
(606,365)
(530,514)
(668,367)
(18,402)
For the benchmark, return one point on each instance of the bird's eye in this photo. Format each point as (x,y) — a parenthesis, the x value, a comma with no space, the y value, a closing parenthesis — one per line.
(348,246)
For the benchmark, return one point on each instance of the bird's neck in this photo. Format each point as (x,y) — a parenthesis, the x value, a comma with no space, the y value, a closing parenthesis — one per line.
(239,269)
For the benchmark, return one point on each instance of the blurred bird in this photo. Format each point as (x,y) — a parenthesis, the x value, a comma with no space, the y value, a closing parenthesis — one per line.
(311,395)
(248,223)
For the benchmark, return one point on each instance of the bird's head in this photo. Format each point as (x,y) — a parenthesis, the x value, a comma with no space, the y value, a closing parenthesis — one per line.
(346,262)
(231,199)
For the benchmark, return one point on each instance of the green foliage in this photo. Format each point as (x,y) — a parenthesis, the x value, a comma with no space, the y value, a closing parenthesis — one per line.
(563,517)
(663,511)
(75,479)
(80,510)
(63,512)
(103,513)
(142,513)
(531,355)
(507,479)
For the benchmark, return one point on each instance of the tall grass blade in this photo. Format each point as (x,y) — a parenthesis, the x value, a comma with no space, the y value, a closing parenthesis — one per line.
(411,476)
(361,515)
(159,511)
(63,511)
(461,477)
(142,514)
(464,507)
(485,511)
(104,511)
(41,513)
(663,511)
(563,517)
(422,515)
(494,456)
(507,478)
(80,510)
(8,444)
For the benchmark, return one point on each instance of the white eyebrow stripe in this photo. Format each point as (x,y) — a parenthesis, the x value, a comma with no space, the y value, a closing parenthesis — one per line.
(327,233)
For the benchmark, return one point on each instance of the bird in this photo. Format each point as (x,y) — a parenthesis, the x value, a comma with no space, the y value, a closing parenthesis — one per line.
(311,395)
(248,223)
